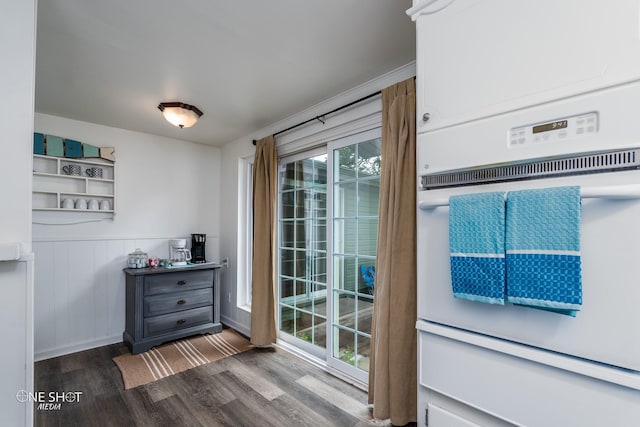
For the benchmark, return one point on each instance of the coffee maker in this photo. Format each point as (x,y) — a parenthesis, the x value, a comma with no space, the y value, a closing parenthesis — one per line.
(178,252)
(197,248)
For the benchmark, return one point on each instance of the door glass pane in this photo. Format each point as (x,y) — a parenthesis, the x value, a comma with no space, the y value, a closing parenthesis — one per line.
(302,230)
(287,202)
(368,197)
(287,234)
(287,290)
(367,236)
(365,313)
(344,309)
(345,199)
(320,301)
(369,158)
(319,230)
(287,321)
(304,326)
(344,346)
(344,163)
(345,240)
(320,331)
(287,267)
(287,179)
(344,273)
(362,354)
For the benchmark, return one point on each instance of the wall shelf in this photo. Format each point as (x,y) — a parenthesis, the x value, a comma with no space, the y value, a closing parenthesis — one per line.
(52,185)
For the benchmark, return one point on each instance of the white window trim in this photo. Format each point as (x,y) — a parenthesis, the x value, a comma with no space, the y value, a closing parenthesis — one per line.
(245,233)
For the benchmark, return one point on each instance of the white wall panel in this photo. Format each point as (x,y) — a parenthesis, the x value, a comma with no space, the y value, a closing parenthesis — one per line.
(116,259)
(44,299)
(100,281)
(60,284)
(81,306)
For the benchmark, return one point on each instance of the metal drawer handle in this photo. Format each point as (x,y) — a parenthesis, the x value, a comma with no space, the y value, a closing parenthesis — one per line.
(181,321)
(180,302)
(182,282)
(426,117)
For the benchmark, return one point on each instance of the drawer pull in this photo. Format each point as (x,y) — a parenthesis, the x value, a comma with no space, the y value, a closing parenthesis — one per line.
(426,117)
(182,282)
(181,321)
(180,302)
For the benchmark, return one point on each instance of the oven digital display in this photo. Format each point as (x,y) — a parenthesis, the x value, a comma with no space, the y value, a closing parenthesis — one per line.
(560,124)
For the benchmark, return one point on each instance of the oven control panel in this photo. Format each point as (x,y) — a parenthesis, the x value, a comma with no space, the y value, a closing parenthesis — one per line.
(556,130)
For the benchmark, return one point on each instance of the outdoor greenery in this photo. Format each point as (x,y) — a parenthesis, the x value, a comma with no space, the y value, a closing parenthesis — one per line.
(349,356)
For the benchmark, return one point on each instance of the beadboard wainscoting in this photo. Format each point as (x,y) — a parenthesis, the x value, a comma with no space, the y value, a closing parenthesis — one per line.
(79,291)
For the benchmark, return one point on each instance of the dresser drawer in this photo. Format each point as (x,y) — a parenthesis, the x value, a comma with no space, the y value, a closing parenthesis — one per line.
(178,281)
(166,323)
(179,301)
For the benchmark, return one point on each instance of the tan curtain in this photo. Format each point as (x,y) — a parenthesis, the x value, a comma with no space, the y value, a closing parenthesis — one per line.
(393,372)
(263,286)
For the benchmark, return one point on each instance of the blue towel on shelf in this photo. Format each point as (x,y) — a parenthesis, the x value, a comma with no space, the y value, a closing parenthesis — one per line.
(543,249)
(476,243)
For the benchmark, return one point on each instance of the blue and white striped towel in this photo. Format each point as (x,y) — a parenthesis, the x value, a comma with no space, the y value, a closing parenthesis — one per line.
(543,249)
(476,243)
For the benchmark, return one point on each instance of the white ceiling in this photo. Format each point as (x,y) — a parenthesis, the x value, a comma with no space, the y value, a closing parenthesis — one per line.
(245,64)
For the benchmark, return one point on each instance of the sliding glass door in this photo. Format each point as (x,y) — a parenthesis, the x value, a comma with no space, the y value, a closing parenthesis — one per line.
(303,251)
(354,195)
(328,222)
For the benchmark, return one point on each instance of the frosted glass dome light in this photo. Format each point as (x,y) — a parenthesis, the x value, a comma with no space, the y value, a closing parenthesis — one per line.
(180,114)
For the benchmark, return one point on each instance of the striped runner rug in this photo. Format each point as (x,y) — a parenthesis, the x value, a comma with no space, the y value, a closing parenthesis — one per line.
(177,356)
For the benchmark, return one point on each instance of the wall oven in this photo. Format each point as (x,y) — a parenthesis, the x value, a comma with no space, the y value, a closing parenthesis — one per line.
(502,359)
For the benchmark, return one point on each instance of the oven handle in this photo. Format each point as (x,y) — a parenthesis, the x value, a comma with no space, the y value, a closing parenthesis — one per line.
(617,192)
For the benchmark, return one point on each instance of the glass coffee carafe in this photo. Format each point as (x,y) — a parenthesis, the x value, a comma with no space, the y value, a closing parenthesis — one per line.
(181,256)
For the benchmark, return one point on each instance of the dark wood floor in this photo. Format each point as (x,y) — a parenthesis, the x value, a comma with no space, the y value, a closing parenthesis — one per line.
(261,387)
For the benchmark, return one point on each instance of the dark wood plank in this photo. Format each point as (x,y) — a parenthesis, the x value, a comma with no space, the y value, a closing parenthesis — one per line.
(175,410)
(143,409)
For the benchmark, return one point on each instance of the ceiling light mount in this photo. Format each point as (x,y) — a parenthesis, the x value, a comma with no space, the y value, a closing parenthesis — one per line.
(180,114)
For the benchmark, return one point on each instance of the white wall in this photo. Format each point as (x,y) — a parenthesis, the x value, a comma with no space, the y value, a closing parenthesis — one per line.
(358,118)
(165,188)
(17,48)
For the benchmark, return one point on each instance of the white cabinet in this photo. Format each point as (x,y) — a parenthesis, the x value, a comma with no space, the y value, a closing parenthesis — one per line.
(476,59)
(58,179)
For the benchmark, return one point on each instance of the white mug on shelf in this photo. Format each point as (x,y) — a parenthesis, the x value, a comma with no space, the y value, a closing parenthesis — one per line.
(94,205)
(104,205)
(81,204)
(66,204)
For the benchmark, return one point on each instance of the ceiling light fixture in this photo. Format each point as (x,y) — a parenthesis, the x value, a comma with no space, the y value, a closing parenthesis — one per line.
(179,114)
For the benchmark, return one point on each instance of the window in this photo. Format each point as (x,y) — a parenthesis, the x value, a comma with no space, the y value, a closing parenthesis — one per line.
(245,233)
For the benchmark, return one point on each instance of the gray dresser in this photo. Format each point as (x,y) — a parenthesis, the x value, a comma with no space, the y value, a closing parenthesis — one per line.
(165,304)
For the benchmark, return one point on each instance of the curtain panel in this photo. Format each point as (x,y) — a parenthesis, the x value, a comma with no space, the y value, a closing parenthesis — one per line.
(393,364)
(263,286)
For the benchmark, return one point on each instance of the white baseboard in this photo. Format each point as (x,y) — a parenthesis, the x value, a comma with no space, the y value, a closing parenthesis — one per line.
(243,329)
(76,347)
